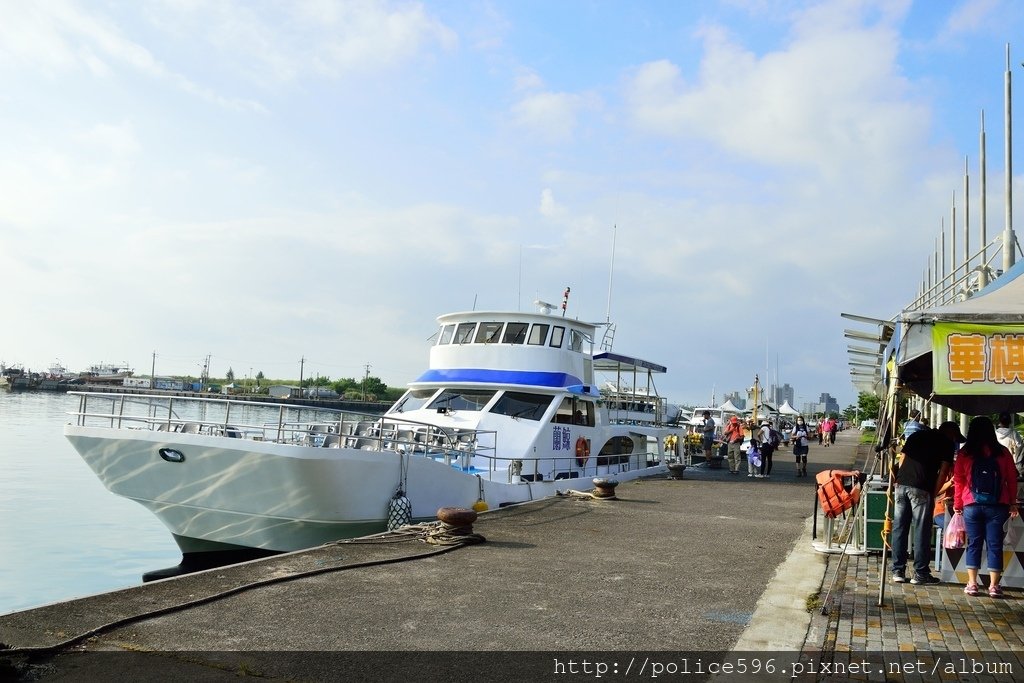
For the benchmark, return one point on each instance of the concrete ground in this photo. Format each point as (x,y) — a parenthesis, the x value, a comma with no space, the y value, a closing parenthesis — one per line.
(715,565)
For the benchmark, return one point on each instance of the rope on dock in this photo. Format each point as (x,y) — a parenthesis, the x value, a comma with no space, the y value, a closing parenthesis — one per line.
(434,533)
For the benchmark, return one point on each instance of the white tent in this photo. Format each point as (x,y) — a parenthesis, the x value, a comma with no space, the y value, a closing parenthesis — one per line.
(786,409)
(729,407)
(997,310)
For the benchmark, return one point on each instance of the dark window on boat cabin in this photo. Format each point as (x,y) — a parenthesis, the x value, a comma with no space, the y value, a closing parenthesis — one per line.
(413,399)
(538,334)
(575,411)
(488,333)
(461,399)
(518,404)
(446,334)
(464,333)
(576,339)
(515,333)
(557,335)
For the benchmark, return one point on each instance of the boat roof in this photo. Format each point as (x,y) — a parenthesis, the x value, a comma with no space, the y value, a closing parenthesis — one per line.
(609,362)
(515,316)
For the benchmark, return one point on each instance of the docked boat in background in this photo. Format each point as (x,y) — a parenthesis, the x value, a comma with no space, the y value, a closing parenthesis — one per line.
(508,411)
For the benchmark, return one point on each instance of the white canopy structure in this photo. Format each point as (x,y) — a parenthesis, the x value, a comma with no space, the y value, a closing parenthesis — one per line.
(968,355)
(729,407)
(786,409)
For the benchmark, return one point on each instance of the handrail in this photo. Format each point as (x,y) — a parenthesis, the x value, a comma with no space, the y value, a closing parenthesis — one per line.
(329,426)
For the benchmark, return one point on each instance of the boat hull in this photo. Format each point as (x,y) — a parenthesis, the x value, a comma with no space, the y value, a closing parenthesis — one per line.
(239,493)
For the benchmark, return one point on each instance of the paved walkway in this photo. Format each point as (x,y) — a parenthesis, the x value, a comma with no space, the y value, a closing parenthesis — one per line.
(933,632)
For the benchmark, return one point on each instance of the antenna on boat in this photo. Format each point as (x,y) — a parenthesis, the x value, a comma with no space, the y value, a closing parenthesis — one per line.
(543,306)
(611,270)
(609,331)
(565,300)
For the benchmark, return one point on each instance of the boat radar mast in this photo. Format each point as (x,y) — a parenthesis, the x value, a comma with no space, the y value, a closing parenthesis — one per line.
(544,307)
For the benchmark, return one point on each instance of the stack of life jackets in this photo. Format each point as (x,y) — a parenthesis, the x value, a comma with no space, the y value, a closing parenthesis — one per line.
(838,490)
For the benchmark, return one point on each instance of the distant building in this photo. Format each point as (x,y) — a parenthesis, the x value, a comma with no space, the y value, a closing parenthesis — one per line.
(829,404)
(737,400)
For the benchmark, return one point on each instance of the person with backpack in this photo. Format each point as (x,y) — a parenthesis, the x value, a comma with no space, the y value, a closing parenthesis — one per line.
(985,492)
(770,442)
(922,468)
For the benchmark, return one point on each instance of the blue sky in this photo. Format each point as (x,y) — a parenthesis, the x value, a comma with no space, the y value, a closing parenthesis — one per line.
(264,182)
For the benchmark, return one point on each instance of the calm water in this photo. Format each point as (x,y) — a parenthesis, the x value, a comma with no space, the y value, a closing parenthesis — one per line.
(62,535)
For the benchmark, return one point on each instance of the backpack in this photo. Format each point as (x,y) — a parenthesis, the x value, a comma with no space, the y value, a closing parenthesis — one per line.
(774,438)
(985,482)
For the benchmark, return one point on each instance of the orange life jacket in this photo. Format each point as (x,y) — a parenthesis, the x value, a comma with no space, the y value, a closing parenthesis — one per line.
(838,491)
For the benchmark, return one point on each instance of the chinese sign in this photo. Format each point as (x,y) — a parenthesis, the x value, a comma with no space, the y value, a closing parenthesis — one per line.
(977,359)
(560,438)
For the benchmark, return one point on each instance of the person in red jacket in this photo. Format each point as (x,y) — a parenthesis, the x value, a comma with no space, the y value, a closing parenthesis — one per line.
(982,464)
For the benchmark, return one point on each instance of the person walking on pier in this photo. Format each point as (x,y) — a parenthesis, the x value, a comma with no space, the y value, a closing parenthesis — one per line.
(801,446)
(734,437)
(922,468)
(985,491)
(770,440)
(708,435)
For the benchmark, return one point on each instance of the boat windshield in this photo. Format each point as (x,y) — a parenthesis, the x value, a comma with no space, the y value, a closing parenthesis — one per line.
(462,399)
(413,399)
(519,404)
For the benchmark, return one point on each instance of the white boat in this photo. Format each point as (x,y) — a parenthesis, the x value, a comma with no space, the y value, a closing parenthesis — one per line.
(508,411)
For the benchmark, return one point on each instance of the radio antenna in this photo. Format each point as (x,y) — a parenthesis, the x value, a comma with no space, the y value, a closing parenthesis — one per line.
(611,270)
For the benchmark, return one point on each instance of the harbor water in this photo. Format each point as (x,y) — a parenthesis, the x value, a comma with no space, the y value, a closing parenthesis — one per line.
(62,534)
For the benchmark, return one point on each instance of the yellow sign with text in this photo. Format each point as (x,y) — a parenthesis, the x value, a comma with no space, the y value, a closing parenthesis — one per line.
(977,359)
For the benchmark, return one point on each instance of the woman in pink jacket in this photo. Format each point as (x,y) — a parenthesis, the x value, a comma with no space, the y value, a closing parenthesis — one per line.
(985,491)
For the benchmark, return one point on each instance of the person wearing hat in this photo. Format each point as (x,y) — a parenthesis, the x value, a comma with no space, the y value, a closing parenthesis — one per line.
(921,469)
(768,445)
(734,437)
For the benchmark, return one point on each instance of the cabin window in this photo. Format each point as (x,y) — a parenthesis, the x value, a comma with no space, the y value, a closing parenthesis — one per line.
(576,340)
(515,333)
(575,411)
(446,335)
(538,334)
(461,399)
(413,399)
(518,404)
(488,333)
(464,333)
(557,335)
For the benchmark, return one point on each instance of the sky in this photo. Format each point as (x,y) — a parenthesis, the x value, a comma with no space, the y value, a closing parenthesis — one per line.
(313,182)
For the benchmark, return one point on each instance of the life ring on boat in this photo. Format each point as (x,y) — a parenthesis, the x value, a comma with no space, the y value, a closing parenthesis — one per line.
(582,451)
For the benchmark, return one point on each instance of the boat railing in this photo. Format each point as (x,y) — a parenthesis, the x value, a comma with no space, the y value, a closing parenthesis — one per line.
(470,450)
(322,427)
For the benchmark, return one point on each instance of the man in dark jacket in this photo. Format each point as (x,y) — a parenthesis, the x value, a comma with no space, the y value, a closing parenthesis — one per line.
(923,466)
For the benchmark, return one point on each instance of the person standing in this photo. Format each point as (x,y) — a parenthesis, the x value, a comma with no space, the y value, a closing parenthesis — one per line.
(734,437)
(708,434)
(833,429)
(1009,437)
(914,424)
(821,431)
(801,446)
(921,469)
(985,491)
(770,440)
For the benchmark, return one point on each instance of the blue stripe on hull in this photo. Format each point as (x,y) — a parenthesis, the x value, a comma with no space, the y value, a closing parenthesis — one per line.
(538,379)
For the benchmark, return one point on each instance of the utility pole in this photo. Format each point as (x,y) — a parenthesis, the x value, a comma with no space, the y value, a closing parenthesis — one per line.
(366,376)
(152,373)
(302,365)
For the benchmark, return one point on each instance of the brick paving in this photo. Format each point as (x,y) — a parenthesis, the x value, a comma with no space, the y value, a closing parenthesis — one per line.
(934,632)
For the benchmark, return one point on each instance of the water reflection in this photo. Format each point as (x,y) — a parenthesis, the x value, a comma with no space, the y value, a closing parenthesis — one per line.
(63,535)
